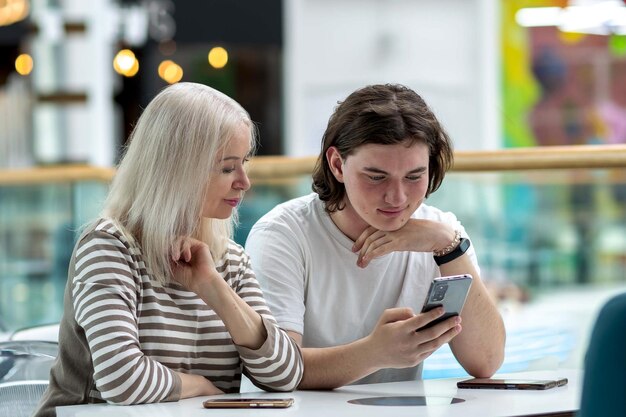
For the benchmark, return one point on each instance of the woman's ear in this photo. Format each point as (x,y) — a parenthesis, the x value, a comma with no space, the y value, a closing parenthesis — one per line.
(335,162)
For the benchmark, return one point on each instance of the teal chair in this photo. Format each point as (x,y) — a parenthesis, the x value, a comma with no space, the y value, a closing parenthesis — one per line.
(604,383)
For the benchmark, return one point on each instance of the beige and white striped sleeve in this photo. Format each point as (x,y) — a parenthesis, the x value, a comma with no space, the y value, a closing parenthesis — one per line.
(277,365)
(104,295)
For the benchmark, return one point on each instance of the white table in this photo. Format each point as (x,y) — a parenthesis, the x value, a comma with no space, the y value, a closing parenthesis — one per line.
(559,401)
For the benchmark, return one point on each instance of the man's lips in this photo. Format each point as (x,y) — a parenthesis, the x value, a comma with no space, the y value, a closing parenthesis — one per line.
(393,211)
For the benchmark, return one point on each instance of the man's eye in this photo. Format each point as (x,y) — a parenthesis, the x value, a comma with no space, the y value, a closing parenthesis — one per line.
(376,177)
(413,177)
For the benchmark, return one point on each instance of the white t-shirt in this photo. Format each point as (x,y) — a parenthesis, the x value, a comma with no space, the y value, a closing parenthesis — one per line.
(311,282)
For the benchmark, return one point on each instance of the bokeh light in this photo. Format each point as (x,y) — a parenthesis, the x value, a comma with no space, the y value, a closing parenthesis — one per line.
(170,71)
(125,63)
(218,57)
(24,64)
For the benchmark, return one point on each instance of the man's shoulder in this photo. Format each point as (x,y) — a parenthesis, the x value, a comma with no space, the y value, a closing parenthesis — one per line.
(298,210)
(429,212)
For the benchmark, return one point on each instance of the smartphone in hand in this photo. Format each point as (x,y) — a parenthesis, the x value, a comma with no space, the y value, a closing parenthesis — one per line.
(248,403)
(449,292)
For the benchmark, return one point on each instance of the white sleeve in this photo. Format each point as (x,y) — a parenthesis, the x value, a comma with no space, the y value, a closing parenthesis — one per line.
(278,260)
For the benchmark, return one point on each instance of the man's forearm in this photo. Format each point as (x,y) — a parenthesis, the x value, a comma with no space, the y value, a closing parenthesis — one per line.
(333,367)
(479,348)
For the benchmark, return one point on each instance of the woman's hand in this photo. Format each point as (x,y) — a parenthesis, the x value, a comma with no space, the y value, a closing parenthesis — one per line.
(417,235)
(192,263)
(193,267)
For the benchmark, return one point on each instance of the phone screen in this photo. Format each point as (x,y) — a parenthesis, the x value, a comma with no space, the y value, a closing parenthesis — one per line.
(522,384)
(248,403)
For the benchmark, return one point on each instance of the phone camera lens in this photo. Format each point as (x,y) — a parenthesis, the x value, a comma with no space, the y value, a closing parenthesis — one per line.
(440,292)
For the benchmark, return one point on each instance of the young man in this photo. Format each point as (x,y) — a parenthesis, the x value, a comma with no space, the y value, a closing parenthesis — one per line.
(346,269)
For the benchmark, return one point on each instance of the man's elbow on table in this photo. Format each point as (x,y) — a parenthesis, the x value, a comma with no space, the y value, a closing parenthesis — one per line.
(486,364)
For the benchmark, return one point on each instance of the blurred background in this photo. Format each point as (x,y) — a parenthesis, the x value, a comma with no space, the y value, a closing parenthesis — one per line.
(500,74)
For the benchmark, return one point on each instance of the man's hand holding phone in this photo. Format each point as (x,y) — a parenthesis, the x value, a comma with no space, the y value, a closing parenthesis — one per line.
(402,338)
(394,343)
(449,293)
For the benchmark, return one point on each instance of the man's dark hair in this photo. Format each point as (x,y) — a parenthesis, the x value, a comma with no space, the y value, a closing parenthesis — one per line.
(386,115)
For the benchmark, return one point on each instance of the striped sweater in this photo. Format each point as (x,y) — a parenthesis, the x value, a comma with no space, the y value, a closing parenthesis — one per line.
(122,335)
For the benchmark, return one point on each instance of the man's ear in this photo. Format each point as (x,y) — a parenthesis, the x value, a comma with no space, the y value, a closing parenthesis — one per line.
(335,163)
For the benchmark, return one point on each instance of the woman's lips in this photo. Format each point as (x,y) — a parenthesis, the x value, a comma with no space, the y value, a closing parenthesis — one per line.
(233,202)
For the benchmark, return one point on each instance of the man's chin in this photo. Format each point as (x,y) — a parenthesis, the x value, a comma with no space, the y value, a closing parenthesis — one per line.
(390,226)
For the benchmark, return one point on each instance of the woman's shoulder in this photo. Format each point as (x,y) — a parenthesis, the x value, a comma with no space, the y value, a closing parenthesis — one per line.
(235,264)
(102,248)
(235,252)
(105,230)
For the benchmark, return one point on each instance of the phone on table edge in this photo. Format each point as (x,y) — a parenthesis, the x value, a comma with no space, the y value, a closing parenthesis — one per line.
(512,383)
(248,403)
(449,292)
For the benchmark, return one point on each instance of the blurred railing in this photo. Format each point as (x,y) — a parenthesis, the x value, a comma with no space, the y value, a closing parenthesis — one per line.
(278,167)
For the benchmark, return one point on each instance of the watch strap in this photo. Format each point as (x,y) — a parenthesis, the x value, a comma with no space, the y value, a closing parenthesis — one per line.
(462,247)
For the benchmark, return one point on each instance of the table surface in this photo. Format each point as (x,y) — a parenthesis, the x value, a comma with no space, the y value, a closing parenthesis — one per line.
(478,402)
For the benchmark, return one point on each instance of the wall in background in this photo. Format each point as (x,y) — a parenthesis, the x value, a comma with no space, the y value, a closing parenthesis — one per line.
(447,50)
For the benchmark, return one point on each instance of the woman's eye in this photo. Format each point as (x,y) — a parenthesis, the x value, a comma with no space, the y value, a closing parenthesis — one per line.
(227,170)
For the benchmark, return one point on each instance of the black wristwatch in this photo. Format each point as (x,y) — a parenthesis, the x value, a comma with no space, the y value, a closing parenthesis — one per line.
(463,246)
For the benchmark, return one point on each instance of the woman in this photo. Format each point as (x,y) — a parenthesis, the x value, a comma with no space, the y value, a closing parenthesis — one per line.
(160,303)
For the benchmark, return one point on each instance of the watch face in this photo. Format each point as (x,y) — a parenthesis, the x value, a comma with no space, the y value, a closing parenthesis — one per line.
(464,244)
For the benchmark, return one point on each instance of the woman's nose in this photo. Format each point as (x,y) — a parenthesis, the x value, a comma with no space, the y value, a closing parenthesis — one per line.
(242,182)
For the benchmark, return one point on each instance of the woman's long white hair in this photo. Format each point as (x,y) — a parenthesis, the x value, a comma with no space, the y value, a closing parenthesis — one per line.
(160,186)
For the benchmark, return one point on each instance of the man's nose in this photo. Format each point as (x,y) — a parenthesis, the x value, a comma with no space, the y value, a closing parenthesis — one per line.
(395,194)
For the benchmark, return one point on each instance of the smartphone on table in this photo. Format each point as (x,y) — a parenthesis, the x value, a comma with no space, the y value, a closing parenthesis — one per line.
(449,292)
(523,384)
(248,403)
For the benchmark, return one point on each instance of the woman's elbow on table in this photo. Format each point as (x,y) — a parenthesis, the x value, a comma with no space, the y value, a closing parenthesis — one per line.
(121,399)
(129,399)
(123,392)
(287,378)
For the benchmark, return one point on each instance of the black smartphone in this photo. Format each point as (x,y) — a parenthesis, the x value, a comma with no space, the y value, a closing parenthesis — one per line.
(248,403)
(490,383)
(449,292)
